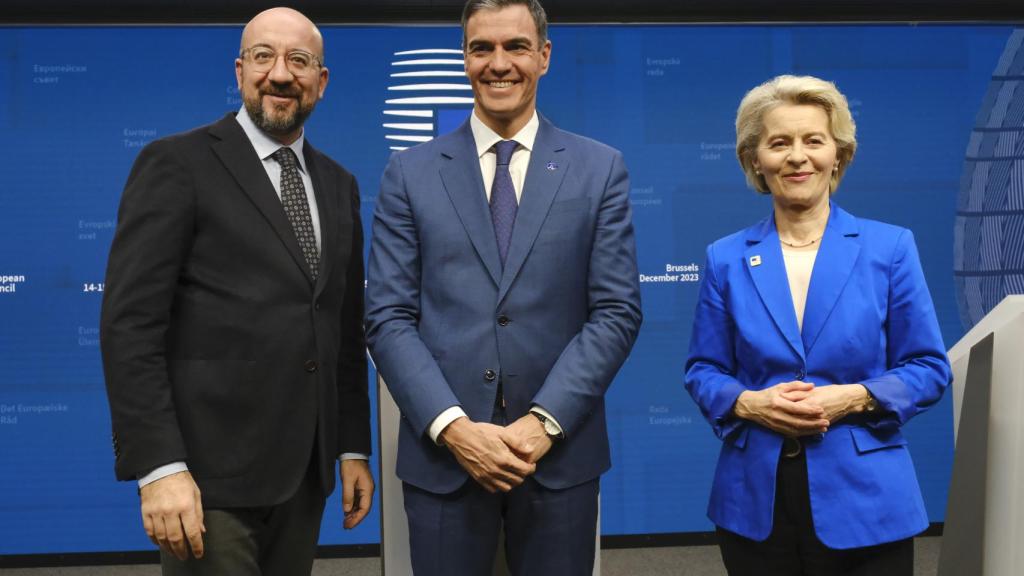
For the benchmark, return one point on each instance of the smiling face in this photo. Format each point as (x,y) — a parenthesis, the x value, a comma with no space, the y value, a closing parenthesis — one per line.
(797,155)
(504,60)
(278,99)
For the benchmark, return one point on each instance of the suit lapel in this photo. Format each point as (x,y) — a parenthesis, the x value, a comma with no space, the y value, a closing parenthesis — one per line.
(763,260)
(539,191)
(326,202)
(237,154)
(460,172)
(832,267)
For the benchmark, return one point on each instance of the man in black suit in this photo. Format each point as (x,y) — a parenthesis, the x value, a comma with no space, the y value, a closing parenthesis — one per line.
(232,325)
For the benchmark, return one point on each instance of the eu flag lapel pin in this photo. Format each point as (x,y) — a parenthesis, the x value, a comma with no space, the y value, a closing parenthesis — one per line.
(552,166)
(755,260)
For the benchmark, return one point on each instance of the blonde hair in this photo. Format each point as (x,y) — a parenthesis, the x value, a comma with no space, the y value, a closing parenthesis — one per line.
(787,89)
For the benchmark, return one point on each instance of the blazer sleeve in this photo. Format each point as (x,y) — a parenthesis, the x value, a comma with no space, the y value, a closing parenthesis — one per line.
(588,364)
(711,364)
(353,398)
(393,307)
(918,370)
(153,238)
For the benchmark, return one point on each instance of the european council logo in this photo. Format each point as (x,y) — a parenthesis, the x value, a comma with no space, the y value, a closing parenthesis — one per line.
(432,96)
(988,249)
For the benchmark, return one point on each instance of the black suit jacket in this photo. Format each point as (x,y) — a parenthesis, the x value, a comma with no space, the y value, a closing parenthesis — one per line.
(218,347)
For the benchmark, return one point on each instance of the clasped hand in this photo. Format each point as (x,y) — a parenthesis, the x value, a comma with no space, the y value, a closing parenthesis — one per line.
(800,408)
(499,458)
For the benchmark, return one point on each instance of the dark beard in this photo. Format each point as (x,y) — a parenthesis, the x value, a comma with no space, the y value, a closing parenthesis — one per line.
(278,125)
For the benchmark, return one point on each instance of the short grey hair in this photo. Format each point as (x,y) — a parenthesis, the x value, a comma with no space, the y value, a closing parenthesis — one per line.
(540,18)
(787,89)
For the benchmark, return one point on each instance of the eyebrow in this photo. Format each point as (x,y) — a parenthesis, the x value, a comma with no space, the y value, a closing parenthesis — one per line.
(474,42)
(815,133)
(289,51)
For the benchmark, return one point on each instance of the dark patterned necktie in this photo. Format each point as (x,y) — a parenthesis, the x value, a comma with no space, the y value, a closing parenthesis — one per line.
(296,206)
(503,198)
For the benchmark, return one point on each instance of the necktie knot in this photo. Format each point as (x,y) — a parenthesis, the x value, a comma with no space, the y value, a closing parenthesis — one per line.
(504,150)
(285,157)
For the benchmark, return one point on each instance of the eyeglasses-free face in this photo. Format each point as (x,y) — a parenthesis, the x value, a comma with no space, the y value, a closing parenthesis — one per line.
(504,61)
(797,155)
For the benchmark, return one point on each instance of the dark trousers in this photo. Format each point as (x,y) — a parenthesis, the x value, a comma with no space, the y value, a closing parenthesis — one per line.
(275,540)
(547,532)
(793,549)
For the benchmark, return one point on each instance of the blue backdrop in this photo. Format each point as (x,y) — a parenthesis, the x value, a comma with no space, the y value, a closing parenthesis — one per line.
(77,104)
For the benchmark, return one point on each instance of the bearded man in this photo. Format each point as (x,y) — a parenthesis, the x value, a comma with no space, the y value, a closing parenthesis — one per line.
(232,333)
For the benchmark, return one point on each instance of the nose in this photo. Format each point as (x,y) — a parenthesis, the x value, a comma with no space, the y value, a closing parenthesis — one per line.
(796,154)
(280,73)
(500,62)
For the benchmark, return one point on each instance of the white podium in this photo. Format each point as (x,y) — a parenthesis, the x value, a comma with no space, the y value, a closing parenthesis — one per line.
(394,530)
(984,525)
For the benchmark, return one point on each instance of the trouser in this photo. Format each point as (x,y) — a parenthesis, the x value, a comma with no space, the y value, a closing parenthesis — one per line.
(277,540)
(793,548)
(547,532)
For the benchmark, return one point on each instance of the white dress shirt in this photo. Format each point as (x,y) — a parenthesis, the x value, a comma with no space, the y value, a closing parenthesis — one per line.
(265,147)
(485,139)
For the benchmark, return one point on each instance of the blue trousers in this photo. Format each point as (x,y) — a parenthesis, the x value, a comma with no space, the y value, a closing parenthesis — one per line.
(547,532)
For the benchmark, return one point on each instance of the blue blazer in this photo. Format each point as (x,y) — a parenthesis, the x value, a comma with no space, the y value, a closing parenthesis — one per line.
(445,323)
(869,319)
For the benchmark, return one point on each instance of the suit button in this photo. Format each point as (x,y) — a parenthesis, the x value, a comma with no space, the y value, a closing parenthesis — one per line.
(489,375)
(310,366)
(316,306)
(800,374)
(503,320)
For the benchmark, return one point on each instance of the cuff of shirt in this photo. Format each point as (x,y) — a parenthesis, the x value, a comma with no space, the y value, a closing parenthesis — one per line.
(353,456)
(549,417)
(161,472)
(442,421)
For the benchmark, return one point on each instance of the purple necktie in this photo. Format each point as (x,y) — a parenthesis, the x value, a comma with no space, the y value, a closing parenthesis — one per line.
(503,198)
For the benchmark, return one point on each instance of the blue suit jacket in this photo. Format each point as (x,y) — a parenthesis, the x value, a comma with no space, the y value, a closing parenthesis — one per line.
(569,291)
(869,319)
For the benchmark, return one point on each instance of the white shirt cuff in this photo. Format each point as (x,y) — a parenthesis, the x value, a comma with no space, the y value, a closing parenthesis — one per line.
(353,456)
(549,417)
(161,472)
(442,421)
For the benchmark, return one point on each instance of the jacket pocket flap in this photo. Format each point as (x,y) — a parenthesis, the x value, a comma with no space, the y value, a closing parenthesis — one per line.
(868,440)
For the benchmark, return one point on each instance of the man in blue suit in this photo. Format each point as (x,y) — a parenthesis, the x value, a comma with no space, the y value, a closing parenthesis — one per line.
(502,299)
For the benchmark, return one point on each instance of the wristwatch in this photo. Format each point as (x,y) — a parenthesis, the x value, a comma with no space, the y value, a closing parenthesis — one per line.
(549,427)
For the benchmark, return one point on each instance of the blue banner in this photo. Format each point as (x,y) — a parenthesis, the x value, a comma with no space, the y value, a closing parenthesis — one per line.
(77,105)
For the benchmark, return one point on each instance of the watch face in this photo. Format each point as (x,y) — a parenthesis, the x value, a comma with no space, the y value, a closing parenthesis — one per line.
(550,428)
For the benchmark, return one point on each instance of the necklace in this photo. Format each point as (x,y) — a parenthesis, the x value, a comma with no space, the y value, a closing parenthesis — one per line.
(804,245)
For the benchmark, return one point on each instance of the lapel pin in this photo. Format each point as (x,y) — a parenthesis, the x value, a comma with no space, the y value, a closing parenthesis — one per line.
(552,166)
(755,260)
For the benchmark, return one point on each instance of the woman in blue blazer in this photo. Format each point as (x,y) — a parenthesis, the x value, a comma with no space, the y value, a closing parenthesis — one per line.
(814,341)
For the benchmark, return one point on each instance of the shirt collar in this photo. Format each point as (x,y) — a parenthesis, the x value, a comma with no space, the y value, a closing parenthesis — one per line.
(264,144)
(486,138)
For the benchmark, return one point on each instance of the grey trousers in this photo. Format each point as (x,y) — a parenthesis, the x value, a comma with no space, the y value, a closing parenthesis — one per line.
(275,540)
